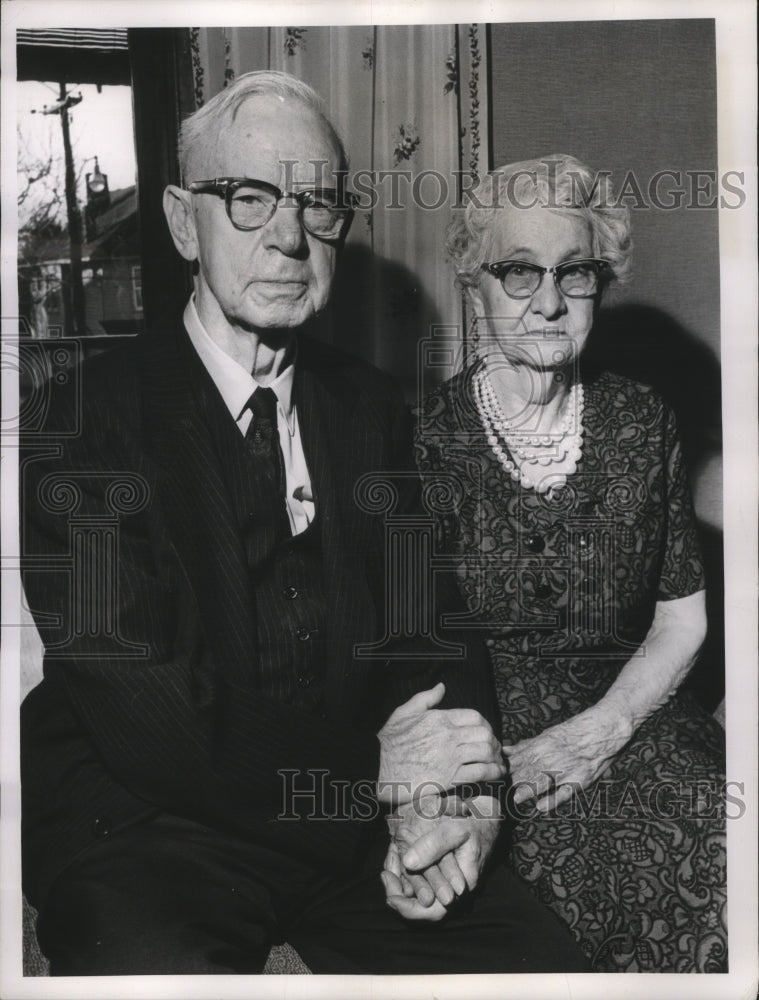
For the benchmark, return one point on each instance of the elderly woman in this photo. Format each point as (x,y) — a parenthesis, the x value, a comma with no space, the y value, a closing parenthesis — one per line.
(574,536)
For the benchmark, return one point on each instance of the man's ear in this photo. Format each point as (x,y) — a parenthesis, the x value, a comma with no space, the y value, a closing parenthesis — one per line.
(177,207)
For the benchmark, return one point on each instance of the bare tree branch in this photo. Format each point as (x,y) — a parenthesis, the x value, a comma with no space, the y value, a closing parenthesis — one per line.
(39,199)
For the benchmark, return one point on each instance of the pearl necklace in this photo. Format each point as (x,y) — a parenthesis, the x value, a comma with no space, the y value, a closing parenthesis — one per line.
(567,441)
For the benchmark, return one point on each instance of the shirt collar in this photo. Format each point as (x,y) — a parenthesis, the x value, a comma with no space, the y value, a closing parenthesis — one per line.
(235,384)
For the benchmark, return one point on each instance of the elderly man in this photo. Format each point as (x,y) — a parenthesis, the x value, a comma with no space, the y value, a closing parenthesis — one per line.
(205,764)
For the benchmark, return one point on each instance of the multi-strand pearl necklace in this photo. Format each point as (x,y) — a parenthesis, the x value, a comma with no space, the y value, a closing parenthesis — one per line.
(565,443)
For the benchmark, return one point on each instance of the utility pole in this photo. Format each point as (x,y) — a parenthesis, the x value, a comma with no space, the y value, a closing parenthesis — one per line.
(76,230)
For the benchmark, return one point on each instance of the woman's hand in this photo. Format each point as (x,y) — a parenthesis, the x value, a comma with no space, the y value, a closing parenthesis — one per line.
(576,752)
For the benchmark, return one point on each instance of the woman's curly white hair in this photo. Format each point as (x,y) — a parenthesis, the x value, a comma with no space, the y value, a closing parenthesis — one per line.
(557,182)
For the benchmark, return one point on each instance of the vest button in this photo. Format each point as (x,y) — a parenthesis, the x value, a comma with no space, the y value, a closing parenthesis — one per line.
(100,828)
(290,593)
(303,633)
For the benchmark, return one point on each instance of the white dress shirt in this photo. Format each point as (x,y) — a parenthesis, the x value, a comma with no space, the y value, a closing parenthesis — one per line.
(236,386)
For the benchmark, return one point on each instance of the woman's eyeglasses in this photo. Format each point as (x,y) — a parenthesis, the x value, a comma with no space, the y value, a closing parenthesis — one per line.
(577,279)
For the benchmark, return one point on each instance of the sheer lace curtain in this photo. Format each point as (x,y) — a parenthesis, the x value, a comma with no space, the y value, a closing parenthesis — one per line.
(411,101)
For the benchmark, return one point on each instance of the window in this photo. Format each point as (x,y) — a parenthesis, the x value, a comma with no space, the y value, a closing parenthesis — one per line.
(137,287)
(96,257)
(79,234)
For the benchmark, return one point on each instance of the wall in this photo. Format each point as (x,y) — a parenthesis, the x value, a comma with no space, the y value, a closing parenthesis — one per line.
(640,97)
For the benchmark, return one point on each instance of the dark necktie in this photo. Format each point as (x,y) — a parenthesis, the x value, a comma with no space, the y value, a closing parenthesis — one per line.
(262,441)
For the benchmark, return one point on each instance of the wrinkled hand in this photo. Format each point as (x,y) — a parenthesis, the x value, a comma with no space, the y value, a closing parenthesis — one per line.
(437,853)
(426,748)
(547,767)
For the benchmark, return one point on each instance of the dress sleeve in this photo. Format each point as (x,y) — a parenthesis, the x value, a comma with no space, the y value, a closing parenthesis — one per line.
(682,571)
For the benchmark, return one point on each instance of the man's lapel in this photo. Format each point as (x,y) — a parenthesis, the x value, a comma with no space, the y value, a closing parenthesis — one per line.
(195,499)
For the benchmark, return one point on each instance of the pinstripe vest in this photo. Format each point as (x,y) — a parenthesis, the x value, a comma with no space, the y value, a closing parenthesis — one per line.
(288,579)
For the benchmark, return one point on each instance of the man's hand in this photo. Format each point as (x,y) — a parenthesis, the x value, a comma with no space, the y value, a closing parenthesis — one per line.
(437,852)
(423,747)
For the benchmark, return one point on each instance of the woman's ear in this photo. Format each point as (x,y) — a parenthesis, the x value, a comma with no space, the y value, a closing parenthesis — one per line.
(177,207)
(599,297)
(473,292)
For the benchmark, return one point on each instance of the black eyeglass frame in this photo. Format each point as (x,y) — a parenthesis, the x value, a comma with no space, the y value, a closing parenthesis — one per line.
(227,187)
(604,274)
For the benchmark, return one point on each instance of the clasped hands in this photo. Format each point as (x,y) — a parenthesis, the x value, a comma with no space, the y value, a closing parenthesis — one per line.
(438,848)
(439,843)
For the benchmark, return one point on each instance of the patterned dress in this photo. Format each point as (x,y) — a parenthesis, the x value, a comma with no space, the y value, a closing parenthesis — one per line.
(565,587)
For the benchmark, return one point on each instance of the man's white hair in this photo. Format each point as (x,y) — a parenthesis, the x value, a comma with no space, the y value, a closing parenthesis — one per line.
(204,127)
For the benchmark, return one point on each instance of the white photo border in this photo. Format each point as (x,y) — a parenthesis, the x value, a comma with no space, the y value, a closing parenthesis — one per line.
(735,22)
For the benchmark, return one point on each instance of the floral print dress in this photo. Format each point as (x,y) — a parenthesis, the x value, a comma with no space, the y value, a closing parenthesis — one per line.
(564,587)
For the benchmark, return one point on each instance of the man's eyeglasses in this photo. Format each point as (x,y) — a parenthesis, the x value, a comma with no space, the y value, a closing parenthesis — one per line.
(324,212)
(577,279)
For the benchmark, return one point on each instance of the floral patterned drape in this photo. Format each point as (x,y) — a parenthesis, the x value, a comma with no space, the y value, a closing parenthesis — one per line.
(411,99)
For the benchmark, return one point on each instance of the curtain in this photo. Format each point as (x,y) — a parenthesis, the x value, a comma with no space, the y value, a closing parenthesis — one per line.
(408,100)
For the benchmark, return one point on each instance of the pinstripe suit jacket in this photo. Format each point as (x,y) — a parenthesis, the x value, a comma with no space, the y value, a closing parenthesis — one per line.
(156,708)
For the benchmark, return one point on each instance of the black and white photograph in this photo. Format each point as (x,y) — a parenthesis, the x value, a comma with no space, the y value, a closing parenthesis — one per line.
(379,500)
